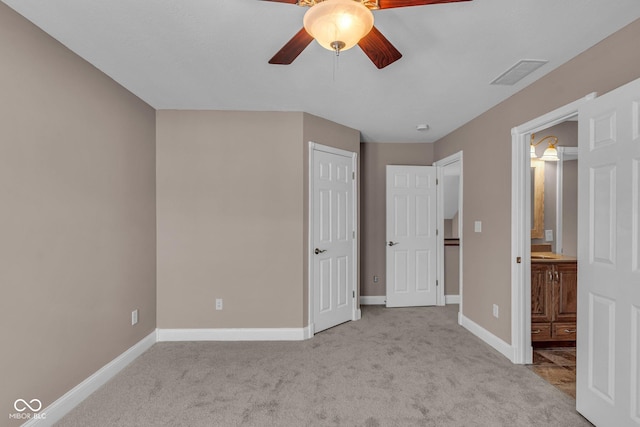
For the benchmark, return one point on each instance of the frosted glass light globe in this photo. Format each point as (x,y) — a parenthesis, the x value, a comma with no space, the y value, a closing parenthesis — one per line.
(338,25)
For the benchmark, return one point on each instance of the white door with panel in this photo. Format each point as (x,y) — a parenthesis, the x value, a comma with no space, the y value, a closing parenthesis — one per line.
(411,236)
(333,238)
(608,355)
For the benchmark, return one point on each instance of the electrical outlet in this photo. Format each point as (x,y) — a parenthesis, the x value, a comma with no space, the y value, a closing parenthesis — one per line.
(134,317)
(477,226)
(218,303)
(496,311)
(548,235)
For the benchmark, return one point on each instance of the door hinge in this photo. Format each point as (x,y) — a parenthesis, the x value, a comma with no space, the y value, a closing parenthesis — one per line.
(437,181)
(354,294)
(436,283)
(437,231)
(354,234)
(353,175)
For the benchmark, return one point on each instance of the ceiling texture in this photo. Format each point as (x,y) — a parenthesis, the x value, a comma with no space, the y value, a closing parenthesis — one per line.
(213,55)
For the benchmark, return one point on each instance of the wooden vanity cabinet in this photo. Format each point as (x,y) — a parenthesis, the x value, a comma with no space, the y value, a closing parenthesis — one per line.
(554,295)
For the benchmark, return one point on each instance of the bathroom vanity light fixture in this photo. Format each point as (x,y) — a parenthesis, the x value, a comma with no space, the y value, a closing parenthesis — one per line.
(550,153)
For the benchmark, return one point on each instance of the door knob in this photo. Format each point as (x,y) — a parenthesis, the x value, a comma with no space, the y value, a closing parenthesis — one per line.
(393,243)
(319,251)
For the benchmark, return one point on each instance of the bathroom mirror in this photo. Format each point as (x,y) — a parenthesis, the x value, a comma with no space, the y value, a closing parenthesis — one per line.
(537,199)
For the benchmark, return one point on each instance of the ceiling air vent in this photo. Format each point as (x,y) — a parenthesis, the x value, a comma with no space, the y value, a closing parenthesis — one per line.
(518,72)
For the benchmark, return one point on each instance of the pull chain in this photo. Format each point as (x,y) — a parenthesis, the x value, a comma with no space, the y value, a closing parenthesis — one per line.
(337,47)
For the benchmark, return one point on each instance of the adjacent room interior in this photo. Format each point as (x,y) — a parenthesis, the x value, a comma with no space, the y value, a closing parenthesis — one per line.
(156,191)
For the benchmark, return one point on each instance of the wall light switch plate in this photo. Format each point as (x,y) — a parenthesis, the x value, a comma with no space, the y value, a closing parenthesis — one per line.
(496,311)
(548,235)
(477,227)
(134,317)
(219,304)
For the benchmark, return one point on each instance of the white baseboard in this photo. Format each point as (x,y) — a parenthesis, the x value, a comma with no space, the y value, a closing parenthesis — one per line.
(235,334)
(382,300)
(505,349)
(373,300)
(452,299)
(62,406)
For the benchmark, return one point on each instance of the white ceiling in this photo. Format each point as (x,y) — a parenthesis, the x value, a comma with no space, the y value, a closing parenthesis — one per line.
(212,54)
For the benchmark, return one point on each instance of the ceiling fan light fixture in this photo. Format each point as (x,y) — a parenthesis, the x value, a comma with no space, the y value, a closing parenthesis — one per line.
(338,25)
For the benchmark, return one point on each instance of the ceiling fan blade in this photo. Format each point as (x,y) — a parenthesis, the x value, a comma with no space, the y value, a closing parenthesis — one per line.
(284,1)
(388,4)
(292,49)
(379,50)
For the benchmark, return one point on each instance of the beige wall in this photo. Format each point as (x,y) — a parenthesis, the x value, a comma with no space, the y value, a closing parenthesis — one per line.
(455,225)
(486,142)
(570,208)
(375,158)
(451,270)
(231,205)
(77,188)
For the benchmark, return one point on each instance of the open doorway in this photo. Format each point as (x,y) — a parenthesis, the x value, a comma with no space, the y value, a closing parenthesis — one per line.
(450,240)
(522,220)
(554,254)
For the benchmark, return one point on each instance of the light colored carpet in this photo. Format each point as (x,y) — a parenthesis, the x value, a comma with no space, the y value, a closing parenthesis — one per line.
(395,367)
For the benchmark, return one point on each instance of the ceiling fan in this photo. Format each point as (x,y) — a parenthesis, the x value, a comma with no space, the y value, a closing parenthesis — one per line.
(340,24)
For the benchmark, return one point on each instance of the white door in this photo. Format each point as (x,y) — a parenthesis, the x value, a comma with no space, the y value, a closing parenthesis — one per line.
(333,239)
(411,236)
(608,356)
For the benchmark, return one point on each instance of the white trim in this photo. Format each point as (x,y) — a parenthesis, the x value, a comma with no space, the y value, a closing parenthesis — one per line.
(452,299)
(559,201)
(76,395)
(373,300)
(235,334)
(332,150)
(456,157)
(313,146)
(382,300)
(521,225)
(505,349)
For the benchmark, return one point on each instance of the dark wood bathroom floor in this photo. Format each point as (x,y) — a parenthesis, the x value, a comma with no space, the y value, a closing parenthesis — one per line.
(557,366)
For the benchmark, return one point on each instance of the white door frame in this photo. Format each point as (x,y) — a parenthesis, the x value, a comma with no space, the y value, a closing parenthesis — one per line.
(521,225)
(452,159)
(313,147)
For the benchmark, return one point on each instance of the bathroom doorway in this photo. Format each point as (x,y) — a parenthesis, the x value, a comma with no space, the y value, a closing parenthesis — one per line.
(522,221)
(554,252)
